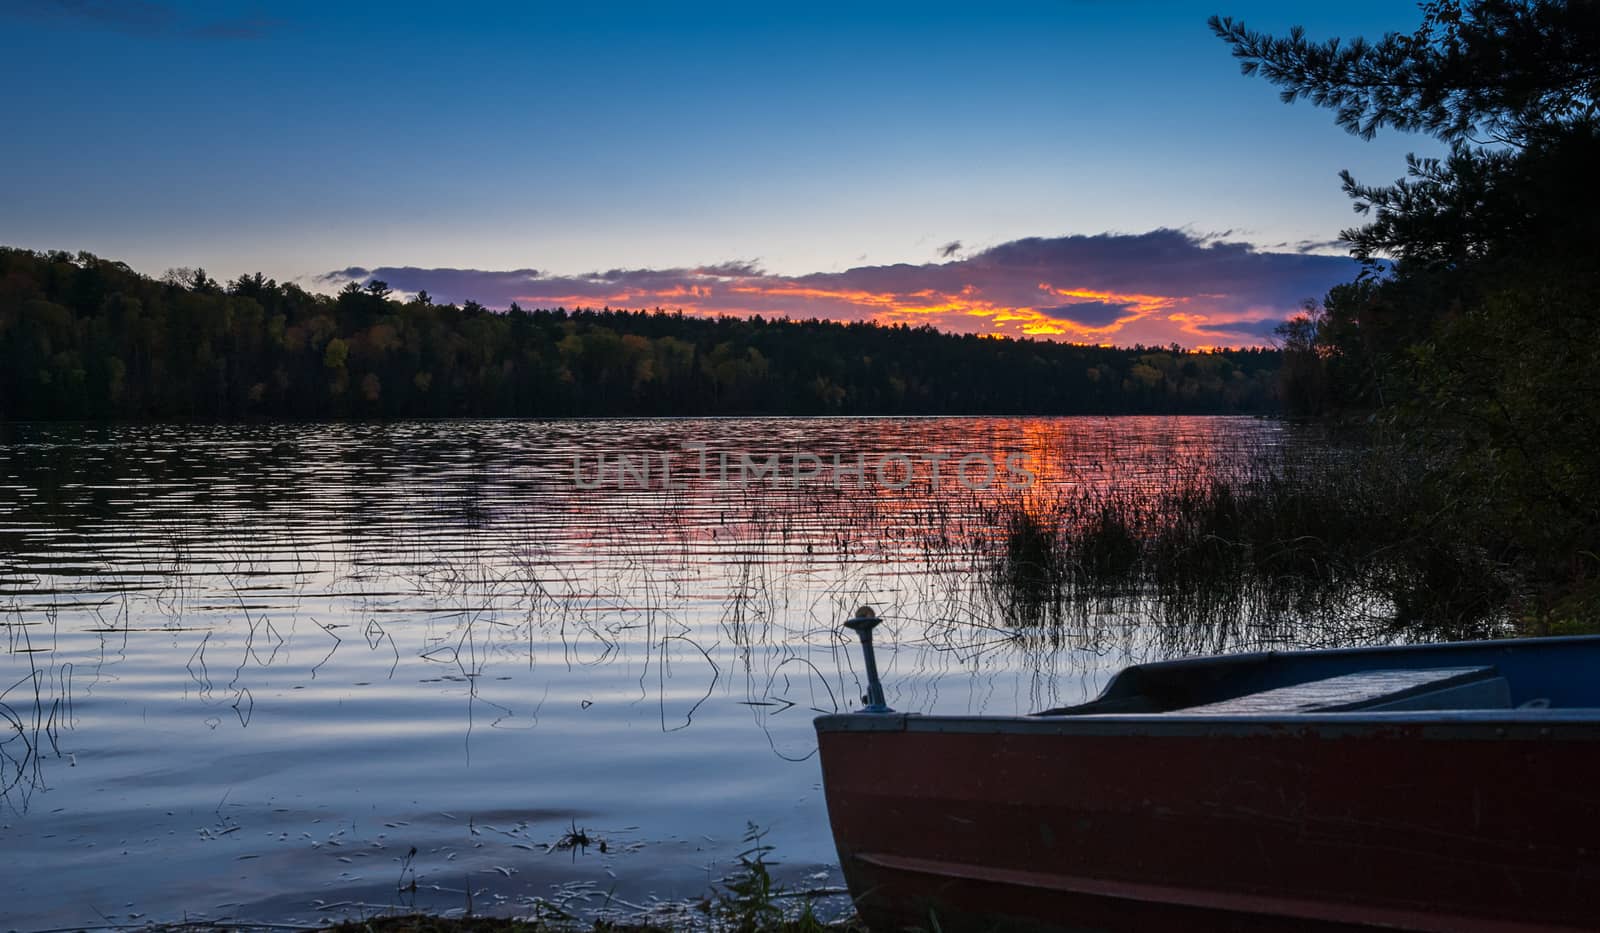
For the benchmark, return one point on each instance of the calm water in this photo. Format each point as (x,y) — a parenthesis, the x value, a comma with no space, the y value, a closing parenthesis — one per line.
(247,669)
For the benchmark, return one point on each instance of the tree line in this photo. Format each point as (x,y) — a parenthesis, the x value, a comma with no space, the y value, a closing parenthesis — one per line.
(88,338)
(1472,338)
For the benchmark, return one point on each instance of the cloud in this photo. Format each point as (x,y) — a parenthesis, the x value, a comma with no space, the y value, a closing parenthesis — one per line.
(949,249)
(457,284)
(1264,329)
(340,276)
(147,18)
(1159,287)
(1089,313)
(1311,246)
(731,269)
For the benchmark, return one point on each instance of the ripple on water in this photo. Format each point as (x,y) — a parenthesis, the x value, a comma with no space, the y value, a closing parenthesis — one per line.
(256,665)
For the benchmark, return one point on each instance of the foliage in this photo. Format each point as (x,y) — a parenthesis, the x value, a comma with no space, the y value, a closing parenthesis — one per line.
(87,338)
(1501,67)
(1472,334)
(1303,376)
(749,903)
(425,923)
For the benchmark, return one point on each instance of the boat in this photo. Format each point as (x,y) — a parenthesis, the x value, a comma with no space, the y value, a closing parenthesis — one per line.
(1443,787)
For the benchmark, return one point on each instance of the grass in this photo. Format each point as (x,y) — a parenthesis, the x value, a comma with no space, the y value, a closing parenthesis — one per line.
(1336,542)
(426,924)
(749,901)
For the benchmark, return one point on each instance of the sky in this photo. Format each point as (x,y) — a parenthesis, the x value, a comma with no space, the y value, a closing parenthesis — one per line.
(1094,171)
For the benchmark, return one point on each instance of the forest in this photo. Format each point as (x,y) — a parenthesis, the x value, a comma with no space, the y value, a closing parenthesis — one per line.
(1469,343)
(89,338)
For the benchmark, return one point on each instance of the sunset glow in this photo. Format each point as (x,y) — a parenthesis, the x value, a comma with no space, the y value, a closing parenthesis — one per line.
(1161,287)
(826,163)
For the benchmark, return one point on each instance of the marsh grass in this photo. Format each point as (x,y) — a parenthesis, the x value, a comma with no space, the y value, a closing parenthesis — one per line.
(1348,540)
(748,901)
(431,924)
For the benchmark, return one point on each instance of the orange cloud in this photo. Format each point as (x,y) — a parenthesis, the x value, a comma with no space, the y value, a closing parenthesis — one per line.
(1165,286)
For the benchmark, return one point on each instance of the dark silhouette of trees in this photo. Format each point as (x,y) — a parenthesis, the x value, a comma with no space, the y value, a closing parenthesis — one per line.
(1503,69)
(84,337)
(1474,330)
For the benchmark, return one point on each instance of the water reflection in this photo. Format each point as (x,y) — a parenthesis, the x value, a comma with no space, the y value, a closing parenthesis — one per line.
(368,626)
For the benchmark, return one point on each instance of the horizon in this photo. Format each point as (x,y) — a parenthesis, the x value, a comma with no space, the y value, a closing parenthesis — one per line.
(533,468)
(850,174)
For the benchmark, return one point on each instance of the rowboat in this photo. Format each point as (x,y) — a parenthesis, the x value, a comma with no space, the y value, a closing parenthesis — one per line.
(1449,787)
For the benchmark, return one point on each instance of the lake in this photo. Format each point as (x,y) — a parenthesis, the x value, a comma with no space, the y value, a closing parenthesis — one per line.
(249,669)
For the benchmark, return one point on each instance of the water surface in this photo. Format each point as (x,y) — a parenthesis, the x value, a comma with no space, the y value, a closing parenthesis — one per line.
(248,669)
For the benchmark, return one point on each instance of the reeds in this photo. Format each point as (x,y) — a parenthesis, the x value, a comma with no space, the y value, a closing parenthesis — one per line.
(1347,540)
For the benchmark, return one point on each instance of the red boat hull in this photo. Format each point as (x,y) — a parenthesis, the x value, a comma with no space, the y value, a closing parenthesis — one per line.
(1470,823)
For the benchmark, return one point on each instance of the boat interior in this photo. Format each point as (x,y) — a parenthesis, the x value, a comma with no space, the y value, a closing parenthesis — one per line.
(1514,674)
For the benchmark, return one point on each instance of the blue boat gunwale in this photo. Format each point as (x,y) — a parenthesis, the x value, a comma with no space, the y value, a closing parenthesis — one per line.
(1562,670)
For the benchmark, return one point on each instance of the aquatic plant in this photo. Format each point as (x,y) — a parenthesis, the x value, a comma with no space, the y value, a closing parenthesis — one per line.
(1346,540)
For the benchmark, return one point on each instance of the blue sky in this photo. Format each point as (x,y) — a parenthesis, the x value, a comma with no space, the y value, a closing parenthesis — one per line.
(811,139)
